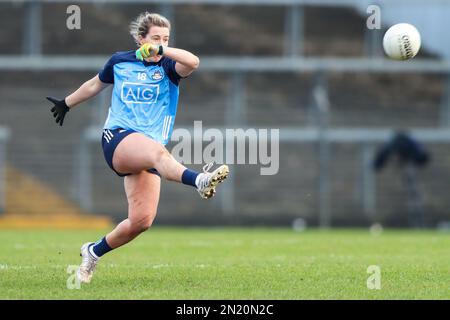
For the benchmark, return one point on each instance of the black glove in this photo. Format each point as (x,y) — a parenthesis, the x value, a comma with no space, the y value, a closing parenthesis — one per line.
(59,110)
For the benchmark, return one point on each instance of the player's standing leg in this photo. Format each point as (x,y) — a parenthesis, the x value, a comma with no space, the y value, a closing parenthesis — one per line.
(142,192)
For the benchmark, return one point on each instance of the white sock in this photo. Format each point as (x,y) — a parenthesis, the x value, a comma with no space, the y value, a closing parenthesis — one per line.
(91,251)
(198,179)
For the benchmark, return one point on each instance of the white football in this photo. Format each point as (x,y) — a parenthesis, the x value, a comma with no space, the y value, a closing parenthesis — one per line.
(402,41)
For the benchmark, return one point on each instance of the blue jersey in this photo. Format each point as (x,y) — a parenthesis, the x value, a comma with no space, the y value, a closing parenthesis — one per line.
(145,95)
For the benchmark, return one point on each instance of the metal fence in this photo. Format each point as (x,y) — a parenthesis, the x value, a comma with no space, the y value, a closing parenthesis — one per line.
(240,68)
(4,136)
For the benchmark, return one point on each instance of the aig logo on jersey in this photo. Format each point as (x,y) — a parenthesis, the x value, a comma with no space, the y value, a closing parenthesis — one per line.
(139,92)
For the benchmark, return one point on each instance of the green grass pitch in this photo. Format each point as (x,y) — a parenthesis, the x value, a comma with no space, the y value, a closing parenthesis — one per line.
(230,263)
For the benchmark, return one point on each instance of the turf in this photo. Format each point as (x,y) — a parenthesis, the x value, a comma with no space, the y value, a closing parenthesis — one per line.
(176,263)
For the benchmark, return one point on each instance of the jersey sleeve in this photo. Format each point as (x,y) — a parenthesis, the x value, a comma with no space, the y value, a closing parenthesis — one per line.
(106,75)
(169,69)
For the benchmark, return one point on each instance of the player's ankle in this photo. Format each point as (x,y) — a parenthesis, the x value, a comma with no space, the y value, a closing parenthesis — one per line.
(190,177)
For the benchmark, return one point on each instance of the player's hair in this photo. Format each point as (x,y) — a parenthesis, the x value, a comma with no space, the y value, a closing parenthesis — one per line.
(142,24)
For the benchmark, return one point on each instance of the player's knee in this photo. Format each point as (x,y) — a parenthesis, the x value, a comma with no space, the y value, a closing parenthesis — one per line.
(141,225)
(144,225)
(161,155)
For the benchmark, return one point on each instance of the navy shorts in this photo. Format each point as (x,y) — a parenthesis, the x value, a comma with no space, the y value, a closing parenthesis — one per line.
(110,140)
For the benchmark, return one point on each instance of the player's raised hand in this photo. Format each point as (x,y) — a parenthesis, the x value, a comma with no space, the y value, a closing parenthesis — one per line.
(59,109)
(148,50)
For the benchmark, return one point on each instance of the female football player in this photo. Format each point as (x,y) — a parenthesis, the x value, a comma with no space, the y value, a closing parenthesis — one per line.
(139,124)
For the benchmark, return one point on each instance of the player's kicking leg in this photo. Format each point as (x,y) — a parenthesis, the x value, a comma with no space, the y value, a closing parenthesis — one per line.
(137,152)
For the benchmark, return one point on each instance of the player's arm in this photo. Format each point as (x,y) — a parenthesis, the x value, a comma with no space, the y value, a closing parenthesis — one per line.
(185,62)
(87,90)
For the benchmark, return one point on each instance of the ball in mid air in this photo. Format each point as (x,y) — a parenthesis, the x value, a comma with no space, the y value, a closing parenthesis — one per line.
(402,41)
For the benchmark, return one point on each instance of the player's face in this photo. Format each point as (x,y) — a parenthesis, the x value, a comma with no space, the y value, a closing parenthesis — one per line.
(157,35)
